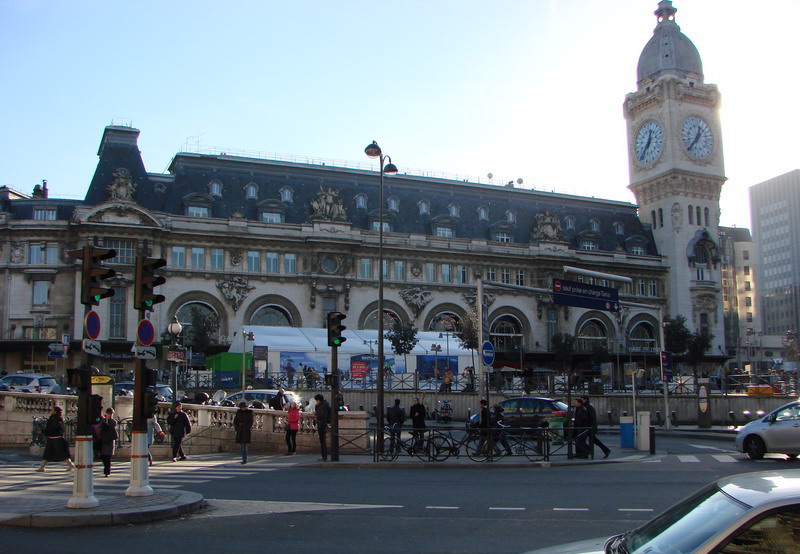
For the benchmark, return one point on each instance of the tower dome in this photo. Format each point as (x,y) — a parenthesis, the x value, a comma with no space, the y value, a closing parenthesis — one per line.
(668,52)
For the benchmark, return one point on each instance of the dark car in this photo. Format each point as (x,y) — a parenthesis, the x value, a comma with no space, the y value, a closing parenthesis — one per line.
(528,411)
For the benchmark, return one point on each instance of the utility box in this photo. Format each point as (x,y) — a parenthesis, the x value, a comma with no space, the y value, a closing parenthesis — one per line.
(643,428)
(703,403)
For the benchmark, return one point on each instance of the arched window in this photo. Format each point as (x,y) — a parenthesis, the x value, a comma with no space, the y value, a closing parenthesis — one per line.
(287,194)
(361,201)
(506,333)
(198,317)
(591,337)
(393,204)
(389,319)
(705,214)
(215,188)
(424,207)
(653,217)
(660,218)
(699,221)
(691,215)
(454,210)
(642,338)
(594,225)
(569,222)
(619,228)
(483,213)
(251,190)
(444,322)
(272,315)
(511,216)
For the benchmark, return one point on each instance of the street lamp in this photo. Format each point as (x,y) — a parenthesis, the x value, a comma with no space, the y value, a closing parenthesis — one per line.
(446,335)
(374,151)
(436,349)
(174,329)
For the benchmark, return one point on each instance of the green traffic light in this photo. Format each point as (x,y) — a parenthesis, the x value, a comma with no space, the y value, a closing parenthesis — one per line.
(148,303)
(337,342)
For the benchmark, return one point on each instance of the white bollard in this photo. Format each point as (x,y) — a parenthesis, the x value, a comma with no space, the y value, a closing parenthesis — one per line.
(82,485)
(140,471)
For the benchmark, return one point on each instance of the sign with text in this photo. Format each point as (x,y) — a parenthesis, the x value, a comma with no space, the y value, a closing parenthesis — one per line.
(581,295)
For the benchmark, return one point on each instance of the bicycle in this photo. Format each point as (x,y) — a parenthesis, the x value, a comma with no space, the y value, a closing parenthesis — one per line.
(444,445)
(421,448)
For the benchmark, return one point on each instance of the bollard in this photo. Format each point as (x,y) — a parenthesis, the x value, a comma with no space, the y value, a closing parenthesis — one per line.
(625,413)
(732,417)
(674,418)
(361,407)
(746,415)
(609,417)
(658,418)
(375,410)
(652,440)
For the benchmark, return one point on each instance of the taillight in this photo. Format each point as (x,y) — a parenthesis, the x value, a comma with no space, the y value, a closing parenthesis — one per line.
(559,414)
(38,388)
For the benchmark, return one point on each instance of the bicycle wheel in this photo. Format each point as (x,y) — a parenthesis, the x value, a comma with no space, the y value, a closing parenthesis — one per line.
(388,454)
(471,447)
(494,449)
(441,447)
(532,446)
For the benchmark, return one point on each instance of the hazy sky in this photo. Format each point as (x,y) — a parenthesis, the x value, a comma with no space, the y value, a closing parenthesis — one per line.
(529,89)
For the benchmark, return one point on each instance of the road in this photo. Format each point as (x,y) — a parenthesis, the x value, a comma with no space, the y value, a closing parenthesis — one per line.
(271,505)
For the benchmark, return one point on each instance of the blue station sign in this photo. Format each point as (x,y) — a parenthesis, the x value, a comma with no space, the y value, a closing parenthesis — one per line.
(581,295)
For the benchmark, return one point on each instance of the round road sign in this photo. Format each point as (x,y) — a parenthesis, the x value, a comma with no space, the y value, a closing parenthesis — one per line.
(557,286)
(91,323)
(487,352)
(145,332)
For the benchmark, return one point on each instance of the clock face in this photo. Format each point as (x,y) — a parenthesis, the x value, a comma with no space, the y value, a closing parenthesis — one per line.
(697,137)
(649,142)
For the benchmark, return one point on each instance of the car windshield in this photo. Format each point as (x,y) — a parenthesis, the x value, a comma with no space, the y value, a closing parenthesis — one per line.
(685,526)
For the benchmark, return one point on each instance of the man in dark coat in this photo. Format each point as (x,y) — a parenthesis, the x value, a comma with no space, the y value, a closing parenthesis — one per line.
(484,424)
(581,429)
(323,413)
(395,417)
(417,414)
(593,424)
(180,426)
(243,423)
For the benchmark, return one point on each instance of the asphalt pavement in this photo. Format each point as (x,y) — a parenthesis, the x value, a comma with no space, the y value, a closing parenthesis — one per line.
(35,508)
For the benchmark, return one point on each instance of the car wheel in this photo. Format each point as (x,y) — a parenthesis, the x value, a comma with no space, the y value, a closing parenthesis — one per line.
(755,448)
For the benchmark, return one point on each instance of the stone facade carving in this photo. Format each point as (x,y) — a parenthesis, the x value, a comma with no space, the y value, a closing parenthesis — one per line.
(677,217)
(416,299)
(706,303)
(236,257)
(235,290)
(471,298)
(547,228)
(122,186)
(416,268)
(17,252)
(329,290)
(328,206)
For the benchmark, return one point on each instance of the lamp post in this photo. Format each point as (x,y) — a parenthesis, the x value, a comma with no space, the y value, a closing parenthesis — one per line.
(245,337)
(436,349)
(174,329)
(374,151)
(446,335)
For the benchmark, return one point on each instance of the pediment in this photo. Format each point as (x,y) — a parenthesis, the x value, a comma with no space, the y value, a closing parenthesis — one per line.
(121,213)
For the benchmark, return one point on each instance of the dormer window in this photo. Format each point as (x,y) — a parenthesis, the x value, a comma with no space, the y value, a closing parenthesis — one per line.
(502,236)
(287,194)
(387,227)
(442,231)
(44,214)
(594,225)
(361,201)
(483,213)
(272,217)
(424,207)
(569,222)
(272,211)
(454,210)
(619,228)
(393,204)
(589,244)
(511,216)
(251,190)
(198,211)
(215,188)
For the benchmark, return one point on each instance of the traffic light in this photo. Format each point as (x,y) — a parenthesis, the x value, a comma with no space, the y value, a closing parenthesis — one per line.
(149,402)
(95,409)
(93,272)
(79,378)
(146,281)
(335,328)
(331,381)
(339,401)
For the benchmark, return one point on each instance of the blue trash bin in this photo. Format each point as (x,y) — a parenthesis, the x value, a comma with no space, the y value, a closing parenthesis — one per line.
(626,432)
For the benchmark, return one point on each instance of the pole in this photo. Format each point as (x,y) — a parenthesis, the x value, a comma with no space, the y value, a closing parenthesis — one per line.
(667,420)
(244,349)
(479,302)
(335,405)
(139,484)
(380,409)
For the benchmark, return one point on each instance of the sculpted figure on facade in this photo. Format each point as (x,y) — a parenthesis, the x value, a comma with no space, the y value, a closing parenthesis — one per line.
(122,186)
(17,252)
(677,217)
(547,228)
(235,290)
(416,299)
(328,206)
(236,257)
(471,298)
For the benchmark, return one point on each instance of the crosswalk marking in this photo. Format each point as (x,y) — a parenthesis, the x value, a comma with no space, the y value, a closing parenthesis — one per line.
(688,458)
(724,458)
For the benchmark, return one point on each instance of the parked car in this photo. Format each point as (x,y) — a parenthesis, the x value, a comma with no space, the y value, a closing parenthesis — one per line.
(164,391)
(30,382)
(751,512)
(777,432)
(259,395)
(528,411)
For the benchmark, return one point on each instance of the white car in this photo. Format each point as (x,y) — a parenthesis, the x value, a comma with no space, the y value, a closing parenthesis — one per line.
(260,395)
(777,432)
(747,513)
(30,382)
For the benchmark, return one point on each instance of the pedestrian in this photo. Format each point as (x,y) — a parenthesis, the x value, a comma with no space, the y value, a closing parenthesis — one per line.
(108,440)
(242,424)
(292,427)
(56,448)
(447,381)
(484,425)
(153,429)
(581,424)
(180,426)
(323,413)
(499,424)
(417,414)
(395,417)
(593,425)
(278,402)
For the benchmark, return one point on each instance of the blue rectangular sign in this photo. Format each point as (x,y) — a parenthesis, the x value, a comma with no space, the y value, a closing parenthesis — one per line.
(581,295)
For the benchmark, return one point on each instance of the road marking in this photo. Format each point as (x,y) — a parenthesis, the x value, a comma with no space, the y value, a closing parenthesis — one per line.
(228,508)
(702,446)
(506,508)
(689,458)
(441,507)
(724,458)
(635,509)
(570,509)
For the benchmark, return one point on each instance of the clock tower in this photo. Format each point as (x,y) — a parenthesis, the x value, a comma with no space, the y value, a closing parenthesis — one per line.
(677,171)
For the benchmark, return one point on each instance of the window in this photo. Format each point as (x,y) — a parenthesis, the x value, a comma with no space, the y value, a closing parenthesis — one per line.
(399,270)
(424,207)
(51,255)
(287,194)
(701,272)
(376,226)
(569,222)
(653,287)
(430,272)
(365,268)
(198,258)
(483,213)
(446,276)
(41,293)
(745,254)
(217,258)
(705,216)
(747,270)
(594,225)
(35,254)
(126,250)
(505,276)
(215,188)
(653,217)
(461,274)
(520,278)
(640,287)
(691,215)
(251,190)
(253,261)
(502,236)
(748,301)
(619,228)
(446,232)
(511,216)
(361,201)
(588,245)
(637,250)
(290,264)
(178,256)
(385,269)
(272,217)
(697,211)
(660,217)
(491,274)
(272,262)
(747,285)
(198,211)
(775,533)
(454,210)
(116,311)
(44,214)
(393,204)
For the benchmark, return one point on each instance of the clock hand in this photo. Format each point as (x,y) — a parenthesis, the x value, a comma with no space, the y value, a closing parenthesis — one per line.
(696,138)
(646,146)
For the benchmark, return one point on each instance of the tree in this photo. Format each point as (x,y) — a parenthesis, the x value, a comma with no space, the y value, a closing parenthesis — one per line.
(204,325)
(563,349)
(676,335)
(403,339)
(467,332)
(699,343)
